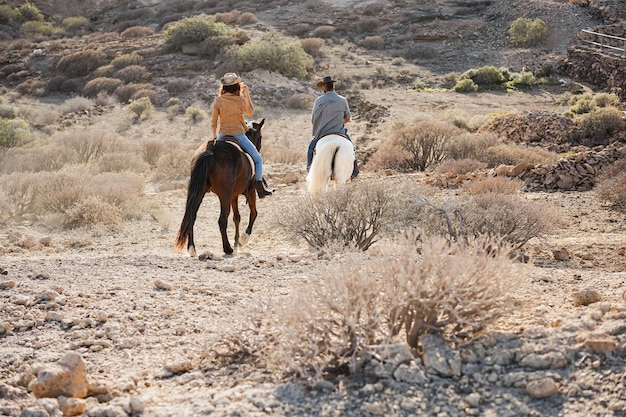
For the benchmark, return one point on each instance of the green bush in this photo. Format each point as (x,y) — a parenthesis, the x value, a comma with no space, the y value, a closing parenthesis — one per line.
(524,79)
(273,52)
(35,28)
(598,126)
(75,23)
(142,107)
(8,15)
(193,29)
(81,63)
(526,32)
(29,12)
(606,100)
(13,132)
(485,76)
(465,85)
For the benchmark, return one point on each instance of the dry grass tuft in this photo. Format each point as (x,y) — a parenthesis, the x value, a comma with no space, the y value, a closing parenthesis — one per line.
(335,322)
(354,215)
(496,185)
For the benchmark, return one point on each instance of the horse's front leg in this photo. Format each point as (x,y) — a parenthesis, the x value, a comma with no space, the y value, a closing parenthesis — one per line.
(234,204)
(223,224)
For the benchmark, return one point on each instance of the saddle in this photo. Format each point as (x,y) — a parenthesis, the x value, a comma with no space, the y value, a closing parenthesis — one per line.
(234,142)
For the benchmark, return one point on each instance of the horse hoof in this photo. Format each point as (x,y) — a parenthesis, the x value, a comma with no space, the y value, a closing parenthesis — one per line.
(228,251)
(244,239)
(191,252)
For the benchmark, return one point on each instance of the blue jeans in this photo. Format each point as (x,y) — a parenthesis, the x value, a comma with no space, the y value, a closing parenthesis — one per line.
(250,150)
(309,154)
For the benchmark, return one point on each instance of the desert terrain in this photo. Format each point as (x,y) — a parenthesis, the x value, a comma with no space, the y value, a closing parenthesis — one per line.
(147,320)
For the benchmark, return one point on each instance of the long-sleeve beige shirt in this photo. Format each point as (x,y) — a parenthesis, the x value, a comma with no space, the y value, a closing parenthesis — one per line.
(229,110)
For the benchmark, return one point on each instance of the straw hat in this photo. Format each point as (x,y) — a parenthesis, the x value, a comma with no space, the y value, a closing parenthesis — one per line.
(230,78)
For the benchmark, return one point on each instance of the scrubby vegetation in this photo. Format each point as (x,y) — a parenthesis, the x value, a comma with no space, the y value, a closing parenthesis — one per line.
(332,324)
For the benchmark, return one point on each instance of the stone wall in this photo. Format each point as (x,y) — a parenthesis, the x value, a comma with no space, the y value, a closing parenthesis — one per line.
(599,68)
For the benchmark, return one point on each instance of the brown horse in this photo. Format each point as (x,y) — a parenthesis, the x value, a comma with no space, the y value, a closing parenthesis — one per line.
(221,167)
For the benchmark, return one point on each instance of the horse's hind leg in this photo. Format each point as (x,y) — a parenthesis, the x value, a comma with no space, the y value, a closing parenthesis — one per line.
(191,246)
(234,204)
(253,213)
(223,224)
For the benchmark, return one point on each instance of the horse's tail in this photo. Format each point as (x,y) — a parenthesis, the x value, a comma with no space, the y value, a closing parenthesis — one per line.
(322,166)
(195,193)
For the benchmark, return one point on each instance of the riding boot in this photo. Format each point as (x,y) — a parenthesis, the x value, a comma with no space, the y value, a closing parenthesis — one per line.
(261,190)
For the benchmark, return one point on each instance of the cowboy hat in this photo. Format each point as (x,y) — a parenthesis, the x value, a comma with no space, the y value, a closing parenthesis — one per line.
(230,78)
(327,79)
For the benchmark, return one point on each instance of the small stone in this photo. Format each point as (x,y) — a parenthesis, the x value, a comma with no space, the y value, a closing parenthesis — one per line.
(162,285)
(585,297)
(5,285)
(542,388)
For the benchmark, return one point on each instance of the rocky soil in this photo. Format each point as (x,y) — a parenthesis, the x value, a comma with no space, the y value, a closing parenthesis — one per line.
(115,323)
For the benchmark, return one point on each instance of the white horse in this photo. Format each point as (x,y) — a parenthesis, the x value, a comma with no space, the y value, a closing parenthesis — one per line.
(333,160)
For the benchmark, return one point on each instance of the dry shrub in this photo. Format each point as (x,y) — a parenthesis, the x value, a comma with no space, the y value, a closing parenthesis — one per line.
(81,63)
(300,101)
(178,85)
(460,166)
(281,155)
(58,191)
(357,306)
(455,290)
(611,185)
(101,84)
(92,210)
(121,162)
(152,150)
(81,199)
(511,218)
(174,164)
(196,113)
(349,216)
(513,154)
(312,46)
(126,60)
(300,29)
(19,190)
(48,157)
(132,74)
(135,32)
(497,185)
(367,25)
(236,17)
(87,145)
(31,87)
(416,147)
(76,104)
(372,42)
(125,93)
(324,31)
